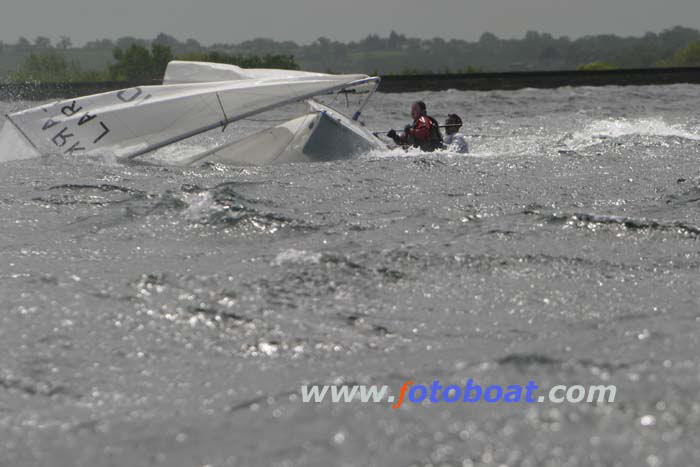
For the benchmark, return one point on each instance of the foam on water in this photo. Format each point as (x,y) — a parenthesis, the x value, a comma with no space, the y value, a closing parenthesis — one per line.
(392,153)
(611,128)
(294,256)
(174,154)
(412,153)
(200,205)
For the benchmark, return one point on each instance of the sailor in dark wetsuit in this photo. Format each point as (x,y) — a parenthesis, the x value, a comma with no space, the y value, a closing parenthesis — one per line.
(423,133)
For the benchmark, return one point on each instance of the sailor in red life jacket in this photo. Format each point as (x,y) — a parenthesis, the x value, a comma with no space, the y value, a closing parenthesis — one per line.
(424,133)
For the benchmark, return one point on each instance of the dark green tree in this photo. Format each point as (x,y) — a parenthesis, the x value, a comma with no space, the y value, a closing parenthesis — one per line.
(139,65)
(64,43)
(48,66)
(687,56)
(100,44)
(42,42)
(23,45)
(596,66)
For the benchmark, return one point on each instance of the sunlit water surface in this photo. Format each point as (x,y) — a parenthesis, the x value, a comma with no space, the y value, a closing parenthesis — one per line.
(156,315)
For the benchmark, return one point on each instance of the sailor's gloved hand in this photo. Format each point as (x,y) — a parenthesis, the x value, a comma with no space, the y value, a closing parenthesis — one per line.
(392,134)
(407,128)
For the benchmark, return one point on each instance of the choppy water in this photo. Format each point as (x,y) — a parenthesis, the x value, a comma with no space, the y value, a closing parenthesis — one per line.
(166,316)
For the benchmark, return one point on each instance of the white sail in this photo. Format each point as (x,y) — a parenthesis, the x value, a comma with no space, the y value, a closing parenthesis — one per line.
(180,72)
(134,121)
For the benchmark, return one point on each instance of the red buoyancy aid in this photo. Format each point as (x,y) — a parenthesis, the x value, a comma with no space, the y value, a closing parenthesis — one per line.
(425,133)
(421,129)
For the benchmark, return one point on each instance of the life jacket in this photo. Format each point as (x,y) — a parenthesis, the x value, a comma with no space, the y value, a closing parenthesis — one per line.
(426,142)
(435,134)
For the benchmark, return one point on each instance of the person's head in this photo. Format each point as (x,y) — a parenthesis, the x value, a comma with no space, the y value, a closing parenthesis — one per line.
(417,109)
(453,124)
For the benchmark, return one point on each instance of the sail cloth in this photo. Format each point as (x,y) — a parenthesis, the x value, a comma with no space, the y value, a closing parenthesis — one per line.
(133,121)
(179,72)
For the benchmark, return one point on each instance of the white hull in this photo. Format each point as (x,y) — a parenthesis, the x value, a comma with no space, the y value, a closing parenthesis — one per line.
(323,134)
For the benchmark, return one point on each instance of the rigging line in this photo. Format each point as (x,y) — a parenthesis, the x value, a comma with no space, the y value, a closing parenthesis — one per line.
(225,122)
(342,91)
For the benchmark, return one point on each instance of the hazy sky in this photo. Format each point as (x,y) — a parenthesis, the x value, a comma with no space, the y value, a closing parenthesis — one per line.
(303,21)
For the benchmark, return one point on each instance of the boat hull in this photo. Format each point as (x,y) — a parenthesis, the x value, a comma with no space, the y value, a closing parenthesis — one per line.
(321,135)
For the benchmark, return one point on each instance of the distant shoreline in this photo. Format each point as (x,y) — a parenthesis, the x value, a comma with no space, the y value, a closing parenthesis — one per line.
(417,83)
(510,81)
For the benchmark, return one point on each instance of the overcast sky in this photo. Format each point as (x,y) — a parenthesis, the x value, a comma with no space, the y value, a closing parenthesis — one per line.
(303,21)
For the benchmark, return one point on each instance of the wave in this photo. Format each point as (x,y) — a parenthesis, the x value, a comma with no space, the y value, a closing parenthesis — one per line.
(601,130)
(222,205)
(99,195)
(629,222)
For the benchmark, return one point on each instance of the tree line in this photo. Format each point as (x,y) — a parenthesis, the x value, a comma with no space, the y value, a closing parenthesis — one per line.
(131,58)
(135,64)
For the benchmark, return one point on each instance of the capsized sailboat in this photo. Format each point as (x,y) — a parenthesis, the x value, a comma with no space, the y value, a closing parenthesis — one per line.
(197,97)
